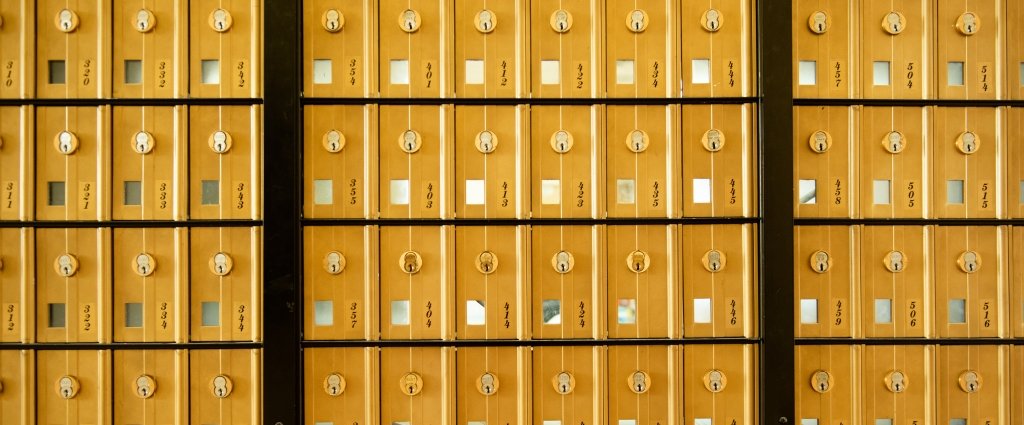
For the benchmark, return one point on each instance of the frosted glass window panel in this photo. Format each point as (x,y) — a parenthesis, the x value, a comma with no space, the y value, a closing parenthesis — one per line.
(399,71)
(700,70)
(808,73)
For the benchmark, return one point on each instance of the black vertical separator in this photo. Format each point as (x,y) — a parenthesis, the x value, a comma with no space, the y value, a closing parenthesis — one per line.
(282,185)
(775,47)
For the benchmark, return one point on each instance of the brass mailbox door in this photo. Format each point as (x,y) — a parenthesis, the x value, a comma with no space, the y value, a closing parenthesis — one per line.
(825,161)
(492,163)
(895,151)
(826,264)
(825,41)
(339,177)
(566,283)
(896,49)
(340,282)
(642,275)
(490,282)
(72,49)
(641,174)
(490,52)
(718,57)
(150,154)
(896,291)
(225,49)
(415,36)
(826,384)
(339,48)
(642,58)
(150,288)
(150,49)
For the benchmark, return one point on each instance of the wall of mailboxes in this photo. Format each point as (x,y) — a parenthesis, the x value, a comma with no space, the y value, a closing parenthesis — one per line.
(63,160)
(909,284)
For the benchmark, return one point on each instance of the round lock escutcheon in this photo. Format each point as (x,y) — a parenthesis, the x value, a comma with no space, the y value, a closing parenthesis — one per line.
(410,262)
(487,384)
(334,384)
(896,381)
(221,386)
(411,383)
(220,142)
(145,386)
(144,264)
(563,262)
(66,265)
(66,20)
(220,20)
(637,20)
(144,21)
(486,142)
(713,140)
(561,21)
(332,20)
(895,261)
(711,20)
(561,141)
(969,262)
(334,263)
(409,20)
(715,381)
(66,142)
(968,23)
(486,262)
(410,141)
(638,141)
(818,22)
(821,261)
(639,382)
(821,381)
(969,381)
(894,22)
(894,142)
(563,382)
(638,261)
(333,141)
(67,387)
(143,142)
(713,261)
(221,264)
(485,21)
(820,141)
(968,143)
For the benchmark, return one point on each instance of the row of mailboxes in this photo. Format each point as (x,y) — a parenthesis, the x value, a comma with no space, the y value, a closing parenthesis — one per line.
(909,281)
(515,48)
(130,285)
(130,386)
(523,282)
(908,384)
(521,161)
(694,385)
(916,49)
(130,163)
(908,162)
(131,49)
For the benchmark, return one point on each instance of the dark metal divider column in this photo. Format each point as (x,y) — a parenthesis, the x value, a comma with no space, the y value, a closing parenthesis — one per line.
(282,143)
(775,51)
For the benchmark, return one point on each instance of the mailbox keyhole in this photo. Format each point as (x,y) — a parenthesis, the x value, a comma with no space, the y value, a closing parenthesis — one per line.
(65,142)
(143,17)
(636,20)
(221,387)
(409,18)
(712,17)
(220,19)
(822,381)
(819,21)
(66,20)
(333,21)
(485,20)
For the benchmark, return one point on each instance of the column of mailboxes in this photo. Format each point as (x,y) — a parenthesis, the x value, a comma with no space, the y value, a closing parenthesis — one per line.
(905,281)
(96,284)
(523,282)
